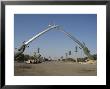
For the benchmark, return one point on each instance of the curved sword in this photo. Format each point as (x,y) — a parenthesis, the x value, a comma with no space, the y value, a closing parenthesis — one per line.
(22,48)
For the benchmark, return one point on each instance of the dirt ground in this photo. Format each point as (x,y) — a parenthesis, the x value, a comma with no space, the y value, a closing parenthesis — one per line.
(55,69)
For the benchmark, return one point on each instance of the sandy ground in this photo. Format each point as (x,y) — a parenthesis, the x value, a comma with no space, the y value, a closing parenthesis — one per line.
(55,69)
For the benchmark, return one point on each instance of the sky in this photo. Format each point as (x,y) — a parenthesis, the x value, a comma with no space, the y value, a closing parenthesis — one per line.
(55,43)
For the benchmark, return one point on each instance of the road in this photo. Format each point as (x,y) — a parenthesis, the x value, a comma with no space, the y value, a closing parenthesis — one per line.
(55,68)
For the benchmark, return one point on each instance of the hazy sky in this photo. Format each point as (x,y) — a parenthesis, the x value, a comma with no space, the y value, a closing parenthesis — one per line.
(54,43)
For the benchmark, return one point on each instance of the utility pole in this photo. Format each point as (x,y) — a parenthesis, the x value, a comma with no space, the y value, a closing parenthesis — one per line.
(76,50)
(66,55)
(69,52)
(38,50)
(35,57)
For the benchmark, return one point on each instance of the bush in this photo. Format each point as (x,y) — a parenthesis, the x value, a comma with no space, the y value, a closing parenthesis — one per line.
(69,59)
(95,56)
(22,58)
